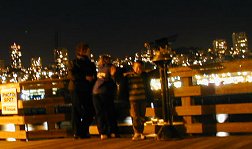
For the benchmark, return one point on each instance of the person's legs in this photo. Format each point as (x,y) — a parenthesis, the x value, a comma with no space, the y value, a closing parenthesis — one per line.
(137,112)
(87,113)
(110,106)
(76,115)
(101,116)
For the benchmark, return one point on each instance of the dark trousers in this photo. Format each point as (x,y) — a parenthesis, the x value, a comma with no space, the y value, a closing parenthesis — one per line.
(137,112)
(105,113)
(82,113)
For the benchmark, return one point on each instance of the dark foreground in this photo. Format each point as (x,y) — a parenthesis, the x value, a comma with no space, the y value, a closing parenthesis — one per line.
(211,142)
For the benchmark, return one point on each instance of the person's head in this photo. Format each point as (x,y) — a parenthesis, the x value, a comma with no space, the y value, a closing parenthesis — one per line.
(103,60)
(82,49)
(138,67)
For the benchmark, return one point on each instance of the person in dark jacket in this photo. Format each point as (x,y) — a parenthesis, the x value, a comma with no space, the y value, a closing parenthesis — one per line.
(138,86)
(103,98)
(82,75)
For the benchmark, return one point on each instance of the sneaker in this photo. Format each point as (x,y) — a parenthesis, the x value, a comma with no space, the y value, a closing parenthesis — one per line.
(113,135)
(143,137)
(104,137)
(136,137)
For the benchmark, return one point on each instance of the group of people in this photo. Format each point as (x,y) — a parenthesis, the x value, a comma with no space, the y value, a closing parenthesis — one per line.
(93,93)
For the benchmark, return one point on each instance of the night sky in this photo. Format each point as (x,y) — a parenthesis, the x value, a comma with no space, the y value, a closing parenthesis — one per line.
(117,27)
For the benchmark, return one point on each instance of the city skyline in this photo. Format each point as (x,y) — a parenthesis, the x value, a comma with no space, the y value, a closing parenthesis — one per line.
(119,28)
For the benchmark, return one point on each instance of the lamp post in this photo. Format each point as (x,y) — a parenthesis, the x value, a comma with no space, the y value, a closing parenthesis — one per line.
(162,59)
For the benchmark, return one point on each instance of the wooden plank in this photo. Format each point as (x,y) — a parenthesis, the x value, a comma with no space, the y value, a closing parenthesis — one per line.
(187,101)
(148,129)
(12,120)
(55,101)
(187,91)
(47,134)
(10,85)
(93,129)
(32,119)
(194,142)
(44,118)
(18,134)
(46,84)
(234,127)
(42,81)
(240,108)
(182,72)
(41,103)
(234,66)
(150,112)
(43,86)
(233,89)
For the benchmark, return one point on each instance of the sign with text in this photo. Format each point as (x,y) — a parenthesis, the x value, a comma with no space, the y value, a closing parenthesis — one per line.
(9,101)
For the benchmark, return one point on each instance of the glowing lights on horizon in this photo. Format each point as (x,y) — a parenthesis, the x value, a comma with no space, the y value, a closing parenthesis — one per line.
(173,81)
(224,78)
(215,79)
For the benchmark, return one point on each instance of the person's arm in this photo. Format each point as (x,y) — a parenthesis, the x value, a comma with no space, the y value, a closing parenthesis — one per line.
(70,75)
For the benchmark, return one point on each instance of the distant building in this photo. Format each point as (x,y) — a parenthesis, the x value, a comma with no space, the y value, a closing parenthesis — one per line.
(16,55)
(61,61)
(220,48)
(240,45)
(36,68)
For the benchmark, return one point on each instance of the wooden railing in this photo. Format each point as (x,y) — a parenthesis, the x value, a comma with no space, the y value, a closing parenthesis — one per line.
(194,113)
(191,112)
(33,113)
(192,117)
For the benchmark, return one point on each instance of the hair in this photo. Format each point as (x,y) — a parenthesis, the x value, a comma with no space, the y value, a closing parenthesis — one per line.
(81,46)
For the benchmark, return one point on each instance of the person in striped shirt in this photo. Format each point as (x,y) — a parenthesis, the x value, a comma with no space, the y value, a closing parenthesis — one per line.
(138,86)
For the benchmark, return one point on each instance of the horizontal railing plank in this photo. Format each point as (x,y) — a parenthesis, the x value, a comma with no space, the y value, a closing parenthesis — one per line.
(239,88)
(39,103)
(20,120)
(18,134)
(231,66)
(42,103)
(187,91)
(10,85)
(234,127)
(47,134)
(240,108)
(44,118)
(229,89)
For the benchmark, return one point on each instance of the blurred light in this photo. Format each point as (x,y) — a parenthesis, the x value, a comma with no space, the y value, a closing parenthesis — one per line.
(224,78)
(152,105)
(128,120)
(155,84)
(221,118)
(9,128)
(222,134)
(177,84)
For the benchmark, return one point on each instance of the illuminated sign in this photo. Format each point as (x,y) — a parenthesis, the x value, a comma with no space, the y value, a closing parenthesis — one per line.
(9,101)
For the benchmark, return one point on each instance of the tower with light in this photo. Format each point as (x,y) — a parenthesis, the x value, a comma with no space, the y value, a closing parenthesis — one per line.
(15,56)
